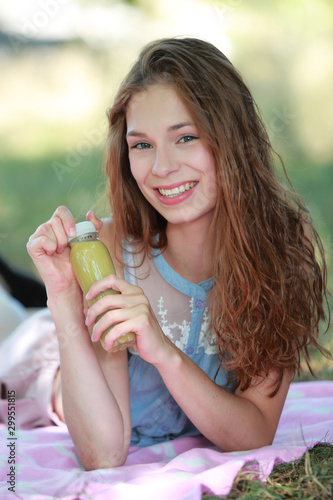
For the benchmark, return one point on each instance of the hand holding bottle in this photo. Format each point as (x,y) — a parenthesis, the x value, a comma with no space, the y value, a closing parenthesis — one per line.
(48,248)
(92,262)
(128,311)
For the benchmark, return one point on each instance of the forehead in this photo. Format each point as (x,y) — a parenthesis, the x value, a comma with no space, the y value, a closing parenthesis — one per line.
(158,102)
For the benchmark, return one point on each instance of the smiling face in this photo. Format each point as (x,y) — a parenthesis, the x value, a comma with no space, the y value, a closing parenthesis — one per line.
(173,167)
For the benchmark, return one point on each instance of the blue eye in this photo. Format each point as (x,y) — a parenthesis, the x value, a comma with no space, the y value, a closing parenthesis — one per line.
(141,145)
(188,138)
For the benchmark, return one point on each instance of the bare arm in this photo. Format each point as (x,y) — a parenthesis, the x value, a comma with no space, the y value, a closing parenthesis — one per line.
(241,421)
(95,390)
(98,423)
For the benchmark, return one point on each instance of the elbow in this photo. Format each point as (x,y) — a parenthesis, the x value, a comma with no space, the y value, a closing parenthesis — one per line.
(248,443)
(254,444)
(108,454)
(104,456)
(98,461)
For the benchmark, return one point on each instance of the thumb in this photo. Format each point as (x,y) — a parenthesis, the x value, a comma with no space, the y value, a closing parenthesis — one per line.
(98,223)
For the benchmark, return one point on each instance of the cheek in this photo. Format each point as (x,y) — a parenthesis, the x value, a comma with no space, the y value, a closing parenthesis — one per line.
(135,170)
(139,175)
(209,171)
(210,191)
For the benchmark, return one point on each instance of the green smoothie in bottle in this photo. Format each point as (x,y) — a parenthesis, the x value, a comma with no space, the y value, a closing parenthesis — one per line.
(91,261)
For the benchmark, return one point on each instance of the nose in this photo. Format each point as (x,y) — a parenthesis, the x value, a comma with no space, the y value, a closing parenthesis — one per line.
(165,162)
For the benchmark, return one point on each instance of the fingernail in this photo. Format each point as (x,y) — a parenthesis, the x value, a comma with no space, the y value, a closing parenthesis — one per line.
(71,232)
(88,321)
(108,346)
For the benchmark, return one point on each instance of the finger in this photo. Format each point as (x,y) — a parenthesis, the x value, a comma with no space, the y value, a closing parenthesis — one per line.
(60,233)
(111,302)
(67,219)
(98,223)
(43,240)
(41,245)
(122,328)
(52,236)
(55,232)
(115,283)
(111,319)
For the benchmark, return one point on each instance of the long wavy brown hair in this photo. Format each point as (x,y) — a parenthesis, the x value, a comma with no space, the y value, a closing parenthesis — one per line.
(269,265)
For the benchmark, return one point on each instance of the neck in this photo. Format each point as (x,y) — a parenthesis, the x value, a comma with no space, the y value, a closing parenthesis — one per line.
(188,251)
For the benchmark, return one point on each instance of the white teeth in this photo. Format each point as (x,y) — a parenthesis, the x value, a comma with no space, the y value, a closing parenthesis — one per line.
(170,193)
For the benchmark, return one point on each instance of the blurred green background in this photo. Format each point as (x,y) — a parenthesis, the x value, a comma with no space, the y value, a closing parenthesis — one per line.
(62,60)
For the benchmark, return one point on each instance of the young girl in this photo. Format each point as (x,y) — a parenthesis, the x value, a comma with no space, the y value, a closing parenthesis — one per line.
(215,264)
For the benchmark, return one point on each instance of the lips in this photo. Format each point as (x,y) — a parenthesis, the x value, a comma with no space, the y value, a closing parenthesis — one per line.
(175,193)
(171,192)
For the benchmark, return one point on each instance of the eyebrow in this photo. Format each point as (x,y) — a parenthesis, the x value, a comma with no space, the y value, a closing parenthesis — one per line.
(176,126)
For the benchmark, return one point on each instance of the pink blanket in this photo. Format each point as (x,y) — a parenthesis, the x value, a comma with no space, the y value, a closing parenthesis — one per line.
(45,465)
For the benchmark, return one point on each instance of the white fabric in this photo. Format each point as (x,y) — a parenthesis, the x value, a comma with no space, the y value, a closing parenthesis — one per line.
(29,360)
(12,313)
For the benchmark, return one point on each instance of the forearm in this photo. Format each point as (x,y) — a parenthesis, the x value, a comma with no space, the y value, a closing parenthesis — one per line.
(229,421)
(94,418)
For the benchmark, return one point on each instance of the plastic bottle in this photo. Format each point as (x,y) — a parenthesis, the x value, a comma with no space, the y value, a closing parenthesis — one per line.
(91,261)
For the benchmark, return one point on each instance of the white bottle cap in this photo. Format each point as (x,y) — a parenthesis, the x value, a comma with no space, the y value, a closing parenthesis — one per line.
(83,228)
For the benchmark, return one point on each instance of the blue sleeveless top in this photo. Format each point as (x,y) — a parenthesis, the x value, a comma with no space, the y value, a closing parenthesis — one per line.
(181,309)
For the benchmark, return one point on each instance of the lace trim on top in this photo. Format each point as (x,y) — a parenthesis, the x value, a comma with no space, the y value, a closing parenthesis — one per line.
(180,307)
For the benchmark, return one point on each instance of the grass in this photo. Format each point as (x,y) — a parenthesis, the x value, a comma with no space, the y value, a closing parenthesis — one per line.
(31,190)
(310,478)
